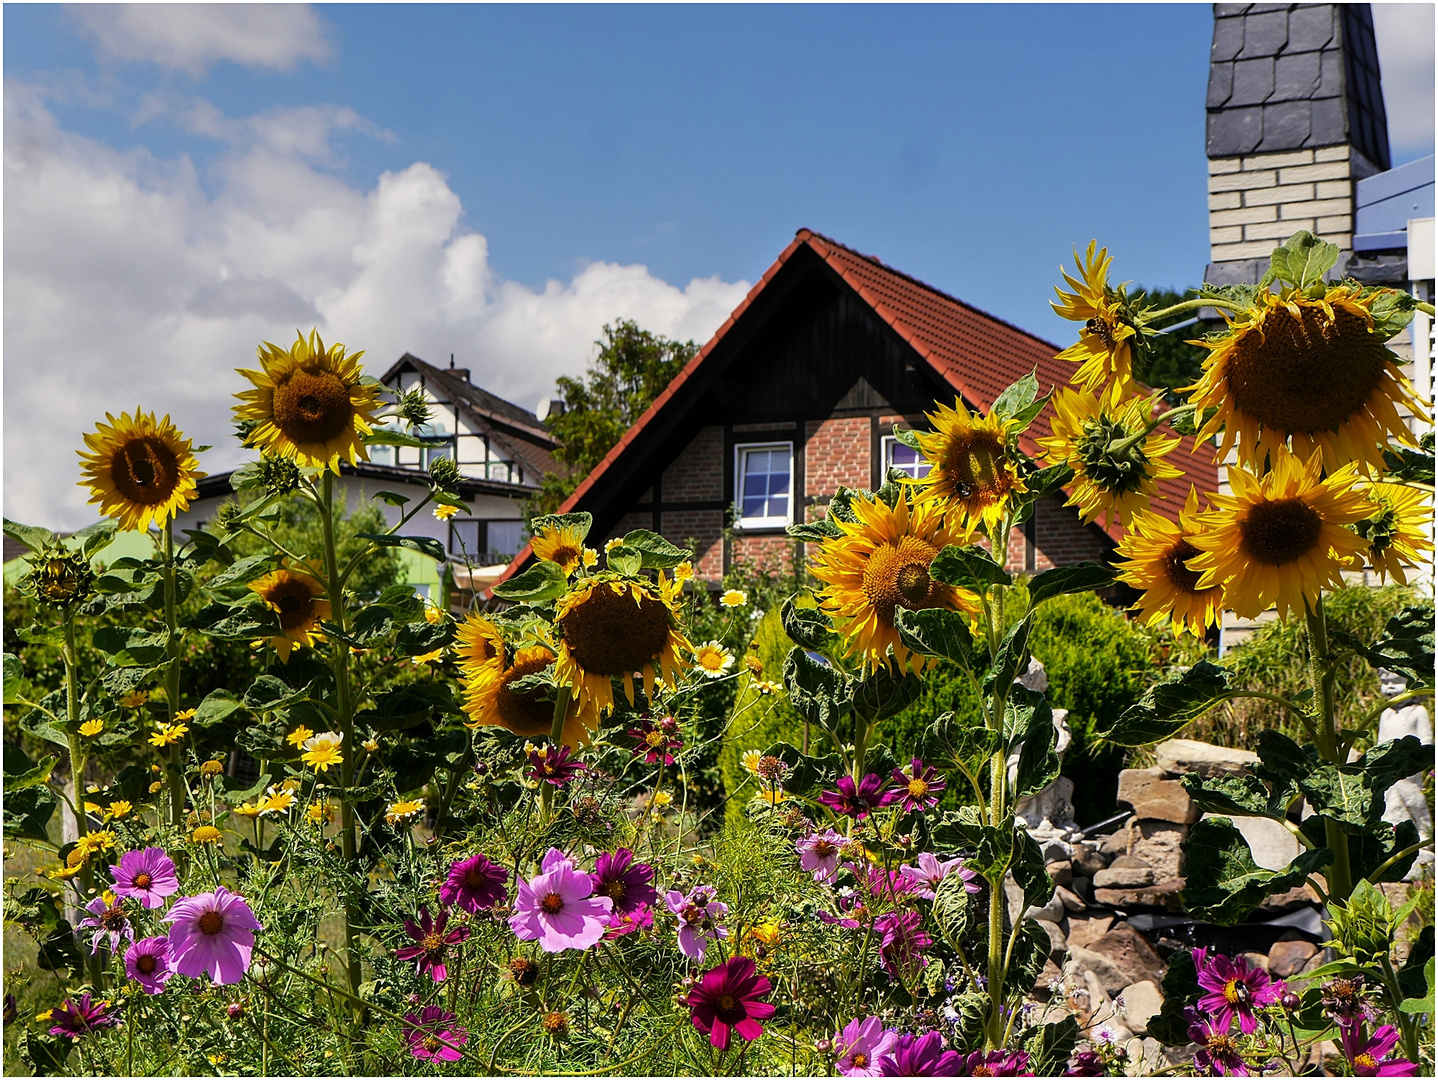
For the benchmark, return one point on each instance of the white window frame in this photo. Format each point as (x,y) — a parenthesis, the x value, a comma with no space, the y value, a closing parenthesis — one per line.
(740,450)
(886,454)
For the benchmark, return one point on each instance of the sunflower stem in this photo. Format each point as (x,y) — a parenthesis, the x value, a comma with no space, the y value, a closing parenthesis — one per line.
(556,740)
(1145,318)
(1149,428)
(1427,309)
(172,677)
(1321,674)
(77,775)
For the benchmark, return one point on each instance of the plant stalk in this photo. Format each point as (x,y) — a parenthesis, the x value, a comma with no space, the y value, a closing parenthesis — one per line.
(1322,674)
(77,776)
(174,780)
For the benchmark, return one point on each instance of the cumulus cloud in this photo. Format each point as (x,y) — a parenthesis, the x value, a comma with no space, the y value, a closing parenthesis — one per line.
(191,37)
(1406,56)
(129,282)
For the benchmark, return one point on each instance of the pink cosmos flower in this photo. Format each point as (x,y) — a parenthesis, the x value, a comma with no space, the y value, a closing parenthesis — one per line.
(147,876)
(622,923)
(624,881)
(213,934)
(555,765)
(1234,989)
(860,1046)
(474,884)
(1369,1056)
(853,800)
(819,853)
(920,1055)
(108,919)
(433,1034)
(699,914)
(148,963)
(918,788)
(997,1063)
(901,943)
(656,740)
(926,877)
(727,998)
(432,943)
(1085,1063)
(76,1018)
(558,907)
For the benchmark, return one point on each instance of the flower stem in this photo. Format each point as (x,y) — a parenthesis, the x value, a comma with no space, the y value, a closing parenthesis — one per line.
(1182,306)
(1321,674)
(77,774)
(556,740)
(174,781)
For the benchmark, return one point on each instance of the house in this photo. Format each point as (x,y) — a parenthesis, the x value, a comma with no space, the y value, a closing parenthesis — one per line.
(502,451)
(799,392)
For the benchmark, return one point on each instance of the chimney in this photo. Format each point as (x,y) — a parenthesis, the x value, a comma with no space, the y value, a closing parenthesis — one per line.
(458,372)
(1295,120)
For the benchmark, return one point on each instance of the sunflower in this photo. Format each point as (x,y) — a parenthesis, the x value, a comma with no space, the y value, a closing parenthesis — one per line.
(1104,350)
(1396,529)
(1158,551)
(309,403)
(561,544)
(1309,372)
(296,596)
(1279,540)
(488,698)
(972,468)
(612,628)
(478,644)
(880,563)
(1105,482)
(139,470)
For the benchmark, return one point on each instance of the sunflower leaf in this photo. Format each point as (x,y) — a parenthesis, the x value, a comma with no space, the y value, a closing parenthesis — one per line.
(806,626)
(1030,873)
(936,632)
(1392,310)
(817,690)
(908,437)
(968,568)
(268,694)
(1343,794)
(1081,577)
(885,693)
(1389,762)
(952,907)
(386,437)
(1029,724)
(1242,795)
(1166,708)
(93,537)
(1405,647)
(1370,849)
(1223,883)
(217,706)
(1303,259)
(418,638)
(14,674)
(541,582)
(128,646)
(244,571)
(391,498)
(425,545)
(32,536)
(1050,1046)
(579,522)
(623,560)
(1011,658)
(1403,463)
(1180,991)
(1017,397)
(656,552)
(814,532)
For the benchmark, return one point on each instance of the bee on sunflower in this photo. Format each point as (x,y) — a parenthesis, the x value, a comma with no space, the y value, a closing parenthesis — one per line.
(1396,529)
(491,697)
(1104,351)
(140,470)
(1280,540)
(296,596)
(972,469)
(880,563)
(309,403)
(1116,468)
(1158,551)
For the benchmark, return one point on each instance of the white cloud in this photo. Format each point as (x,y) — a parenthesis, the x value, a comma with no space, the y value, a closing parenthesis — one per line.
(1406,57)
(191,37)
(127,284)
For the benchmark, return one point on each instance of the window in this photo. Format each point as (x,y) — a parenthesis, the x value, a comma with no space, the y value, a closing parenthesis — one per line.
(904,458)
(763,476)
(485,543)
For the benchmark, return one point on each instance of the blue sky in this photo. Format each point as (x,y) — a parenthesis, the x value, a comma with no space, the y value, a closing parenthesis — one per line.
(499,181)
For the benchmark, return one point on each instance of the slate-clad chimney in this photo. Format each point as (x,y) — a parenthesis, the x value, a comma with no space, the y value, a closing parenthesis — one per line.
(1295,119)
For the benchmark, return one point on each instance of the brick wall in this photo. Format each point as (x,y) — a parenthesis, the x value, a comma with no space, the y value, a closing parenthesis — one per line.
(639,519)
(1062,539)
(697,474)
(772,553)
(705,528)
(1256,201)
(837,454)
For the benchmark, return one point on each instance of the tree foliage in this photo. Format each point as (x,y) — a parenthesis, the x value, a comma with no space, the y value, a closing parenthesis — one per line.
(1169,362)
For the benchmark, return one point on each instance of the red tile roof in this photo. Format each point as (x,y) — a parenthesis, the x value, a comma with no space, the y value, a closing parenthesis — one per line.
(976,353)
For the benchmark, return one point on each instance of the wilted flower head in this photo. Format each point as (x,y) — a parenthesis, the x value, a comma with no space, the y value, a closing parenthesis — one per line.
(1347,1000)
(109,918)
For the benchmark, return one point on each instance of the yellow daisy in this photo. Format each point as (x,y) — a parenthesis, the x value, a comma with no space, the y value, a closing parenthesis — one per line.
(444,512)
(489,700)
(1158,551)
(972,470)
(319,813)
(1107,483)
(881,563)
(1396,529)
(206,834)
(431,657)
(712,660)
(167,735)
(765,688)
(101,840)
(323,750)
(684,571)
(1280,540)
(91,728)
(1104,351)
(134,699)
(750,760)
(611,629)
(277,800)
(402,810)
(563,546)
(591,558)
(139,471)
(247,810)
(296,596)
(479,644)
(119,809)
(371,745)
(298,736)
(1308,373)
(186,714)
(734,598)
(612,543)
(309,403)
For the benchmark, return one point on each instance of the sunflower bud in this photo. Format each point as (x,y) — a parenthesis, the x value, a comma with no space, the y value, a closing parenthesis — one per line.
(225,515)
(62,578)
(279,475)
(1363,928)
(412,408)
(444,474)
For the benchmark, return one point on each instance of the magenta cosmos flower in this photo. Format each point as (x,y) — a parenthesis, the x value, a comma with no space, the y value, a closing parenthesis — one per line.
(78,1018)
(109,918)
(927,876)
(433,1034)
(1234,989)
(474,884)
(147,876)
(699,914)
(819,853)
(920,1055)
(556,765)
(1085,1063)
(918,788)
(656,740)
(148,963)
(624,881)
(558,908)
(432,943)
(1369,1056)
(212,934)
(902,943)
(860,1045)
(997,1063)
(727,998)
(1217,1046)
(622,923)
(855,801)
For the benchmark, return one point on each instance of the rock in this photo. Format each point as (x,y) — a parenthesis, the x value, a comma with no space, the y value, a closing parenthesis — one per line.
(1109,975)
(1123,877)
(1163,895)
(1087,998)
(1058,943)
(1127,862)
(1273,846)
(1115,843)
(1052,912)
(1158,843)
(1155,797)
(1141,1003)
(1084,932)
(1256,959)
(1081,886)
(1131,955)
(1145,1057)
(1015,896)
(1071,901)
(1189,755)
(1062,871)
(1317,960)
(1047,977)
(1286,901)
(1087,861)
(1405,801)
(1287,958)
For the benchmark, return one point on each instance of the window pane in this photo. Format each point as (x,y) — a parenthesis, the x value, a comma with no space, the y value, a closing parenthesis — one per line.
(506,537)
(764,486)
(908,459)
(464,538)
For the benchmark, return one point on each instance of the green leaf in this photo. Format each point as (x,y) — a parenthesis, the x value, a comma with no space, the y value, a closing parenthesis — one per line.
(1403,463)
(1369,850)
(657,553)
(31,777)
(1303,259)
(418,638)
(960,829)
(1180,991)
(1011,658)
(1051,1045)
(1031,953)
(60,951)
(1033,719)
(1405,647)
(952,908)
(580,522)
(972,1009)
(542,582)
(1344,795)
(218,706)
(1242,795)
(908,437)
(1081,577)
(407,706)
(14,677)
(1395,760)
(623,560)
(968,568)
(93,537)
(1029,871)
(386,437)
(994,851)
(27,813)
(244,571)
(236,623)
(806,775)
(1417,976)
(425,545)
(128,646)
(817,690)
(1045,482)
(885,693)
(814,532)
(971,745)
(1018,396)
(1392,310)
(391,498)
(1167,707)
(808,627)
(1224,885)
(268,694)
(32,536)
(936,632)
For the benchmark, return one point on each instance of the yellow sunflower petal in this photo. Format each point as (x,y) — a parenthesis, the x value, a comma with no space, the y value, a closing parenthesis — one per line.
(139,470)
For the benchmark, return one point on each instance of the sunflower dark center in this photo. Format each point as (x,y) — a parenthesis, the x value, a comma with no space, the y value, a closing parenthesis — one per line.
(897,576)
(211,922)
(146,963)
(524,712)
(312,406)
(609,634)
(552,904)
(1305,374)
(1175,567)
(974,464)
(1277,531)
(142,880)
(145,470)
(296,604)
(566,556)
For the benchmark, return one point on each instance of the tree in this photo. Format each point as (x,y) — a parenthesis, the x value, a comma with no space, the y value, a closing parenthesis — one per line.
(632,368)
(1170,362)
